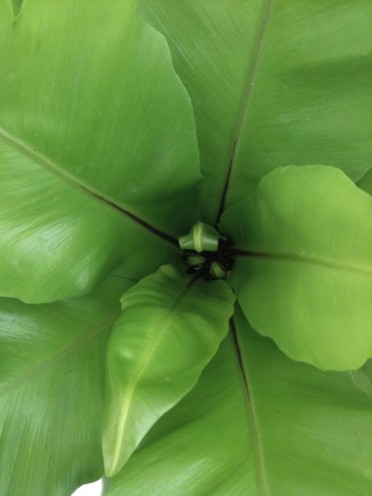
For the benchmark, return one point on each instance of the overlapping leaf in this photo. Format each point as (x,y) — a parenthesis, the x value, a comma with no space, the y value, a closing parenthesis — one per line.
(304,272)
(273,82)
(56,241)
(88,94)
(257,423)
(170,328)
(90,106)
(52,374)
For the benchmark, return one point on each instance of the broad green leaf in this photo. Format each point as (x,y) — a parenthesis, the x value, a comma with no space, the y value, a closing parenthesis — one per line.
(88,92)
(303,271)
(52,375)
(57,242)
(272,83)
(257,423)
(170,328)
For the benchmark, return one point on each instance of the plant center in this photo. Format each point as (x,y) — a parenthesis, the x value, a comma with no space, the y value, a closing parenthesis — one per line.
(206,252)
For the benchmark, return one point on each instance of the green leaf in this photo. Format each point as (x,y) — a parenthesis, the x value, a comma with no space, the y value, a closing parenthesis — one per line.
(52,375)
(257,424)
(272,83)
(89,96)
(365,182)
(57,242)
(170,328)
(6,16)
(303,272)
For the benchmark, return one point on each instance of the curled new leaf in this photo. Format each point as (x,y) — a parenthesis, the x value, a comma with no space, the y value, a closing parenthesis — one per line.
(170,328)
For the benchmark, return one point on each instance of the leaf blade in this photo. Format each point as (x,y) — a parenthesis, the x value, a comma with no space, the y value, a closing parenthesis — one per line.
(312,427)
(301,84)
(61,238)
(109,114)
(305,270)
(62,141)
(51,390)
(155,359)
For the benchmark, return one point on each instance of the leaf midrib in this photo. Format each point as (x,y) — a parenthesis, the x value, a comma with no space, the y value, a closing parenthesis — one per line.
(78,184)
(309,259)
(57,356)
(251,412)
(245,105)
(143,365)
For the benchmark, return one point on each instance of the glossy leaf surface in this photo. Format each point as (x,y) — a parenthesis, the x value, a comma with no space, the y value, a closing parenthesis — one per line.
(61,238)
(56,241)
(304,272)
(257,423)
(273,82)
(88,92)
(99,164)
(170,328)
(52,375)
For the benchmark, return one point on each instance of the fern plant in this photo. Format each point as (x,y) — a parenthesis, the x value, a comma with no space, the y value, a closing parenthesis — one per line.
(185,247)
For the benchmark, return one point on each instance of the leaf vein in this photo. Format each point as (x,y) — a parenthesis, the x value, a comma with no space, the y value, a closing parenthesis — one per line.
(54,358)
(245,105)
(252,415)
(70,179)
(142,365)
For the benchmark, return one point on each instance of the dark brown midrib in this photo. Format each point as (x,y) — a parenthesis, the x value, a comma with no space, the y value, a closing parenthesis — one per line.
(135,218)
(239,356)
(244,106)
(250,411)
(38,158)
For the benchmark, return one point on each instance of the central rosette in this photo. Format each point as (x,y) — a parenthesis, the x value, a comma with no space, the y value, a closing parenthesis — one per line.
(207,252)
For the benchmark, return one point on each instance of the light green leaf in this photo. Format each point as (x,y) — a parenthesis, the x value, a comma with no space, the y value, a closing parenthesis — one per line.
(57,242)
(89,94)
(52,374)
(170,328)
(272,83)
(6,17)
(303,272)
(257,424)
